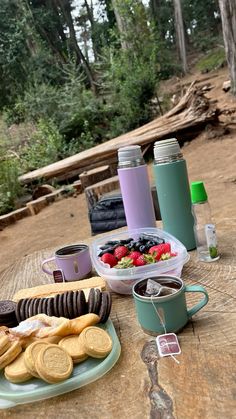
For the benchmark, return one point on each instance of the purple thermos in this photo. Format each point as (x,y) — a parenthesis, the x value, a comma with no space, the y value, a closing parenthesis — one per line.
(135,188)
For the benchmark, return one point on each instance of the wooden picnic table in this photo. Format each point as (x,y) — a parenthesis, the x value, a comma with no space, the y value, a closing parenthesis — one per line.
(141,385)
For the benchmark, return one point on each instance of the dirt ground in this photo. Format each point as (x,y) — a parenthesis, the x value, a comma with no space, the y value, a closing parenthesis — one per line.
(212,160)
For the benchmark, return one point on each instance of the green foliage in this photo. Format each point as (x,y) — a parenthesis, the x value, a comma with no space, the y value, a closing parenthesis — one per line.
(212,61)
(10,188)
(132,82)
(44,147)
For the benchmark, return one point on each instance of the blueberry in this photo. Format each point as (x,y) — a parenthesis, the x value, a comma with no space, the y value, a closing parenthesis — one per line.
(142,248)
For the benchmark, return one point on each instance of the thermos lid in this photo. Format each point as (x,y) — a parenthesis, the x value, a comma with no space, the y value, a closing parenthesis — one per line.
(166,148)
(129,153)
(198,192)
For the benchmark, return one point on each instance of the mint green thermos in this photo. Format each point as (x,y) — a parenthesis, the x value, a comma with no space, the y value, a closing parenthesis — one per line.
(171,180)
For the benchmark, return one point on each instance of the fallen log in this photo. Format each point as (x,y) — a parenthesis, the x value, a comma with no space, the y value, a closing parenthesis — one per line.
(193,112)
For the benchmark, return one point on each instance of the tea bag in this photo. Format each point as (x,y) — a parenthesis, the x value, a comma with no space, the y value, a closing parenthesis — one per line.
(153,287)
(157,290)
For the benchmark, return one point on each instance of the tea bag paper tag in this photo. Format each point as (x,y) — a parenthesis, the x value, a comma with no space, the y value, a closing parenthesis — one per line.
(58,276)
(168,345)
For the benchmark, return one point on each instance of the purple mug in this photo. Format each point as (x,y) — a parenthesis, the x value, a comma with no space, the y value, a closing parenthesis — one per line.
(73,260)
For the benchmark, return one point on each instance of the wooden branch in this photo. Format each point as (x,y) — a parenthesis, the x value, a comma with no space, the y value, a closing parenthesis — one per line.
(193,112)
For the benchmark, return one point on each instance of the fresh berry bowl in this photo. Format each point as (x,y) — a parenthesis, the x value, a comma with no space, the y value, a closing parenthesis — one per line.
(166,255)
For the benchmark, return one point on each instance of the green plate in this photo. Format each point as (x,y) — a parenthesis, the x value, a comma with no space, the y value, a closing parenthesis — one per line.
(88,371)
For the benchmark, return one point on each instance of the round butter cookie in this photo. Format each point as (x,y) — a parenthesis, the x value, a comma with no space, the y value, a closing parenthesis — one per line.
(31,354)
(11,353)
(72,345)
(54,364)
(5,343)
(96,342)
(16,372)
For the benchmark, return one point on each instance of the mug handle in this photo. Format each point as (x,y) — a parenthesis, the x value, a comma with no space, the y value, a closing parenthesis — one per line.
(47,261)
(202,303)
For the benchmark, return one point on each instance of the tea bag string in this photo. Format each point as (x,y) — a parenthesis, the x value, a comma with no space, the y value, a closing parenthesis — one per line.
(164,327)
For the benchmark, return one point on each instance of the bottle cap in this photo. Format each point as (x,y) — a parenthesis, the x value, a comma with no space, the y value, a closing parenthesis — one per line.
(129,153)
(166,148)
(198,192)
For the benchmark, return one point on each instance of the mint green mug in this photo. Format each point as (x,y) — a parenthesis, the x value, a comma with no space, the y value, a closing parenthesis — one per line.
(167,313)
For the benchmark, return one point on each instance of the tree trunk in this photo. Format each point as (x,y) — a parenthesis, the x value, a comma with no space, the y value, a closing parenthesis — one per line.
(89,10)
(121,24)
(180,34)
(65,9)
(228,17)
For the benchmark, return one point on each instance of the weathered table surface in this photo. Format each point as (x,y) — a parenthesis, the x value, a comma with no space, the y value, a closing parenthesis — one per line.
(141,385)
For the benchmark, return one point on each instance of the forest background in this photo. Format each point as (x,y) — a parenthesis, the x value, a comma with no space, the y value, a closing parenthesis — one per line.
(77,73)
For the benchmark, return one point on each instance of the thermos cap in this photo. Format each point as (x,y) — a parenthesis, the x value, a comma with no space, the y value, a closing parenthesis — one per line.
(166,148)
(198,192)
(129,153)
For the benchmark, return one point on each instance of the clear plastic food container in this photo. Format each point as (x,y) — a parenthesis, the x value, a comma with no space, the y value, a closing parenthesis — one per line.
(122,280)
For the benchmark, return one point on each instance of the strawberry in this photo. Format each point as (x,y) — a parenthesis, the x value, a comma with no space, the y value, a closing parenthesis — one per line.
(159,250)
(110,259)
(140,261)
(120,252)
(172,254)
(134,254)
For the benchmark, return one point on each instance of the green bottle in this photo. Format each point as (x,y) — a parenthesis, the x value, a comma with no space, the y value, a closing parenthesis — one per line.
(171,180)
(204,229)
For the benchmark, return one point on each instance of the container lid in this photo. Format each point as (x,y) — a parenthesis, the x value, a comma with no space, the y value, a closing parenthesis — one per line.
(130,153)
(166,148)
(198,192)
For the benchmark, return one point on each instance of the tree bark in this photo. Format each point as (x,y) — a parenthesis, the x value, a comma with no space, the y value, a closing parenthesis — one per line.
(180,34)
(228,17)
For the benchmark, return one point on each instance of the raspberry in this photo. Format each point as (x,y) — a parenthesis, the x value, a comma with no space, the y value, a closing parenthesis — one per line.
(110,259)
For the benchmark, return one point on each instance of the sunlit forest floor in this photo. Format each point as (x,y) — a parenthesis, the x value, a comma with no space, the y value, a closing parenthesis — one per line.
(210,157)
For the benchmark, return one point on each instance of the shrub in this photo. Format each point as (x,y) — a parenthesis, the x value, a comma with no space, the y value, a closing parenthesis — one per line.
(43,148)
(213,60)
(10,188)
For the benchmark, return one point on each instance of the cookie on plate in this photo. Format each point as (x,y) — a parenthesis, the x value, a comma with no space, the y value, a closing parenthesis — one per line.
(96,342)
(105,307)
(53,364)
(72,345)
(30,356)
(5,343)
(16,372)
(11,353)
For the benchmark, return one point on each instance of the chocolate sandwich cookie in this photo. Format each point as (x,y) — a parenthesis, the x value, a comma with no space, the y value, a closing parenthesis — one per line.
(7,308)
(69,302)
(29,308)
(75,310)
(44,305)
(97,304)
(61,306)
(40,306)
(81,304)
(56,305)
(65,309)
(94,300)
(7,313)
(35,306)
(91,300)
(50,308)
(22,309)
(18,307)
(105,307)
